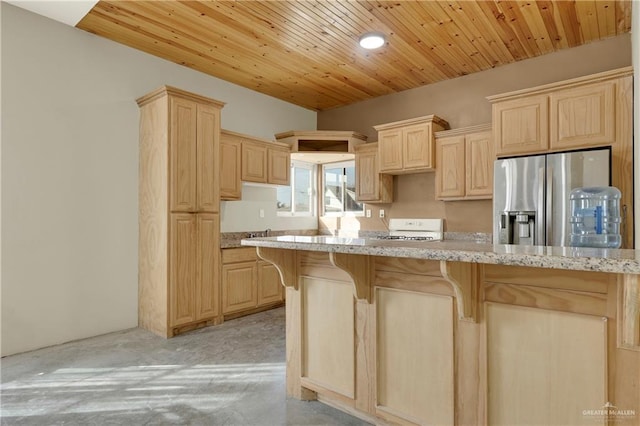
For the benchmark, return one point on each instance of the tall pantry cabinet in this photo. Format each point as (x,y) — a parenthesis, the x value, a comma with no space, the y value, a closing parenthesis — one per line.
(179,217)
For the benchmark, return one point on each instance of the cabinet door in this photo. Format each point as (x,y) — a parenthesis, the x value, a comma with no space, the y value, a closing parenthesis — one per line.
(208,256)
(583,116)
(182,265)
(230,183)
(538,358)
(417,151)
(269,287)
(279,166)
(390,150)
(254,162)
(450,160)
(239,287)
(208,132)
(182,148)
(367,188)
(521,126)
(479,165)
(415,360)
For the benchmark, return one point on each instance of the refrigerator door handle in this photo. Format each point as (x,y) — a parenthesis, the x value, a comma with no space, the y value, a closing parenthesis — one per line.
(540,219)
(549,205)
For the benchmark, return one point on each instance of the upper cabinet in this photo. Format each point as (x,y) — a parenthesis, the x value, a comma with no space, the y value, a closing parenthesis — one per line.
(230,165)
(450,174)
(521,125)
(193,180)
(245,158)
(583,116)
(464,163)
(265,162)
(254,162)
(321,141)
(371,186)
(479,158)
(574,114)
(408,146)
(278,164)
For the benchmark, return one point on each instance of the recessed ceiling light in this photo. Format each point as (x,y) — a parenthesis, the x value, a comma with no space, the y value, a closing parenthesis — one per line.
(372,40)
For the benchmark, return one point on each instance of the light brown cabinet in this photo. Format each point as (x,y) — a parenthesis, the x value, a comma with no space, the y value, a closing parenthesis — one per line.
(248,284)
(521,126)
(269,288)
(408,146)
(179,224)
(371,185)
(464,163)
(230,164)
(583,116)
(265,162)
(194,175)
(254,162)
(321,140)
(245,158)
(576,117)
(278,165)
(585,112)
(239,287)
(577,114)
(194,283)
(450,174)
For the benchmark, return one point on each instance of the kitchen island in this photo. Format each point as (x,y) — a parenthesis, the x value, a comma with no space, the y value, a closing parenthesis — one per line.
(461,332)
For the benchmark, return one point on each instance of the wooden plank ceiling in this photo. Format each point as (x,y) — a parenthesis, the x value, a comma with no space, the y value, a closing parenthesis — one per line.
(306,52)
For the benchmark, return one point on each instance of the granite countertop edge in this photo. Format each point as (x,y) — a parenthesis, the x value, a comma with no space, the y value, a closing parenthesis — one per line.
(620,261)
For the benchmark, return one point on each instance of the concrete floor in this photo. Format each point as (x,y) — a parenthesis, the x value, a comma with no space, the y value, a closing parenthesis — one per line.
(232,374)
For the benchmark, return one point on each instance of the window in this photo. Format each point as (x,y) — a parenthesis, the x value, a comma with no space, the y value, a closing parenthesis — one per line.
(339,190)
(297,199)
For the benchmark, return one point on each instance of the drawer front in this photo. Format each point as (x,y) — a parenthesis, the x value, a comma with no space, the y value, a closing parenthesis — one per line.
(235,255)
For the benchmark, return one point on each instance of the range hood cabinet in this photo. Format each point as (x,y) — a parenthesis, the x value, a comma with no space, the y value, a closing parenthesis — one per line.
(321,146)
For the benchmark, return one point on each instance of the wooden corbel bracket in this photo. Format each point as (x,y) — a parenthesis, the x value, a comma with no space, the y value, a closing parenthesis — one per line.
(629,312)
(285,263)
(358,267)
(463,278)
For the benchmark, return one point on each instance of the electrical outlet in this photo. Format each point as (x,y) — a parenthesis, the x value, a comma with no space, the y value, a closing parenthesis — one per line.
(381,212)
(261,212)
(368,212)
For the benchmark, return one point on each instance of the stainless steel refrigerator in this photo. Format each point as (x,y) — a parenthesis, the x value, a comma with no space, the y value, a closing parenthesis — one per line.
(531,194)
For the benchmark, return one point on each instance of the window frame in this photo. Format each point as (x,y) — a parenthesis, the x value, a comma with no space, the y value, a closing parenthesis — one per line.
(321,199)
(312,196)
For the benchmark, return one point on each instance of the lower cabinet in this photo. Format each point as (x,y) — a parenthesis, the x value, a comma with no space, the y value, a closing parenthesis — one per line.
(540,349)
(193,265)
(270,289)
(248,283)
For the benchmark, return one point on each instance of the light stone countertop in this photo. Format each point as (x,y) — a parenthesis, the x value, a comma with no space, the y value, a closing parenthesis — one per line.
(569,258)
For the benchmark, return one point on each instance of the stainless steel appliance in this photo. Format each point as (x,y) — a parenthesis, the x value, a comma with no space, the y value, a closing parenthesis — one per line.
(414,229)
(531,194)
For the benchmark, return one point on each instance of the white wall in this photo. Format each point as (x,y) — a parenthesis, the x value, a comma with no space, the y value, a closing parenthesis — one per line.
(69,173)
(243,216)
